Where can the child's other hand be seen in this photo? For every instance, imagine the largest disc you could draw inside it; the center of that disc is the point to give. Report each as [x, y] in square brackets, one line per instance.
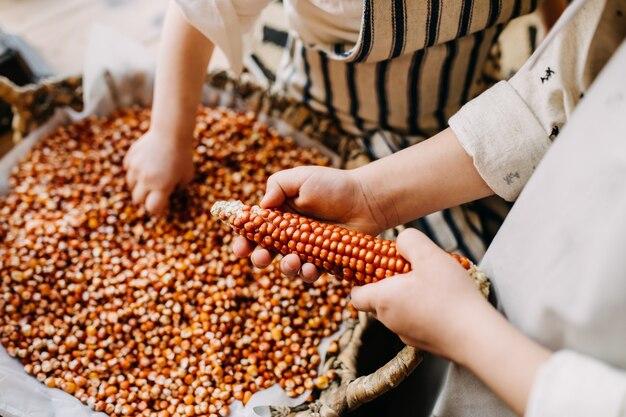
[328, 194]
[155, 167]
[432, 307]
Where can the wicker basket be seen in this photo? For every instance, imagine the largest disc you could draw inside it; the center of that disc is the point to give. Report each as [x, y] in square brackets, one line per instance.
[32, 105]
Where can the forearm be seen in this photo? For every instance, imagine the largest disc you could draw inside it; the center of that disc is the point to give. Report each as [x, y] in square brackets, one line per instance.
[501, 356]
[427, 177]
[181, 68]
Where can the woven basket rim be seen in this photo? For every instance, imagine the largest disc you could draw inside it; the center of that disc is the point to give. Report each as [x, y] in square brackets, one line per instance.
[33, 105]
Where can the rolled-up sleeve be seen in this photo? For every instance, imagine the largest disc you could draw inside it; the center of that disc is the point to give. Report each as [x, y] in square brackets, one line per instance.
[225, 22]
[505, 149]
[508, 129]
[573, 385]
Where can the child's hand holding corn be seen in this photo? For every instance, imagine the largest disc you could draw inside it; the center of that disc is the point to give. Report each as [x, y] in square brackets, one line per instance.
[328, 194]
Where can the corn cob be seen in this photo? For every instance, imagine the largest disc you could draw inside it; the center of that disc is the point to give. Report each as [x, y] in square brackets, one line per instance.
[347, 254]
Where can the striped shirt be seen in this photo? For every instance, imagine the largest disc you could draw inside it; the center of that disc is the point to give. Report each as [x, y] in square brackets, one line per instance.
[402, 66]
[390, 72]
[413, 65]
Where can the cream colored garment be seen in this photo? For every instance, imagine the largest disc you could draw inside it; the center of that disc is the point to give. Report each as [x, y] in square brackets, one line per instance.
[508, 128]
[557, 266]
[403, 66]
[229, 23]
[225, 23]
[325, 22]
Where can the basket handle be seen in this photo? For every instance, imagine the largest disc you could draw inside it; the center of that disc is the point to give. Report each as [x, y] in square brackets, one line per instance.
[348, 391]
[365, 388]
[368, 387]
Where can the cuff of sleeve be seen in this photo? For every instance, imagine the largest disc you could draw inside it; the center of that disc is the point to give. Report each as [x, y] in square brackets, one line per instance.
[218, 22]
[501, 134]
[573, 385]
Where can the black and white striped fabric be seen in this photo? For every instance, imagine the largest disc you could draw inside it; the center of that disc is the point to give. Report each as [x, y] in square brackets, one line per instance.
[414, 65]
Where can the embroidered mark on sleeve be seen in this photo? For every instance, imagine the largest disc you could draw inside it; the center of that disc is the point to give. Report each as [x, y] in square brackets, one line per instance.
[549, 73]
[555, 132]
[510, 177]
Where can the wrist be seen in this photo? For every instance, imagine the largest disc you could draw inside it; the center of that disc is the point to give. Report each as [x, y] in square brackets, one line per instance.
[502, 357]
[170, 133]
[372, 200]
[472, 335]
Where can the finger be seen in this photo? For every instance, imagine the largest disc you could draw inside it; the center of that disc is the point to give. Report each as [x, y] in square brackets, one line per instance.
[283, 185]
[408, 341]
[139, 193]
[414, 246]
[128, 158]
[131, 179]
[364, 298]
[371, 296]
[309, 272]
[157, 202]
[261, 258]
[290, 265]
[242, 247]
[126, 161]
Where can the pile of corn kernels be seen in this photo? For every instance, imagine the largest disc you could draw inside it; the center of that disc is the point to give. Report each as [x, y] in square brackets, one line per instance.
[136, 315]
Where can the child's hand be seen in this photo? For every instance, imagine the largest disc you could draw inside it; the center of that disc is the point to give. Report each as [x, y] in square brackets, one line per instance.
[433, 306]
[155, 167]
[327, 194]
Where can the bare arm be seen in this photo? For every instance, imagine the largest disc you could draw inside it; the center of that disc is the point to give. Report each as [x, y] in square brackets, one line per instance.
[419, 180]
[183, 61]
[493, 340]
[161, 160]
[427, 177]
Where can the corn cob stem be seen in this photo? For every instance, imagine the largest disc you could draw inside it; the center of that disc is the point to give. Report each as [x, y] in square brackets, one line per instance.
[347, 254]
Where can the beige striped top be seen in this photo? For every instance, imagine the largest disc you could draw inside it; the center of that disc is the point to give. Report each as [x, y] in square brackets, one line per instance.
[400, 66]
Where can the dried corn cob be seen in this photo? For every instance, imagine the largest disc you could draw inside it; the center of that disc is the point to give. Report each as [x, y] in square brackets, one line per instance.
[345, 253]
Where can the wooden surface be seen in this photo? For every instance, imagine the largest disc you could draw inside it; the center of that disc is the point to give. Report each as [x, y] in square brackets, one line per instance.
[59, 29]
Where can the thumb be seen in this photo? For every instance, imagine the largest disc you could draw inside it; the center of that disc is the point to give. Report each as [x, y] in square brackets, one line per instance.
[372, 297]
[157, 202]
[283, 185]
[415, 246]
[364, 297]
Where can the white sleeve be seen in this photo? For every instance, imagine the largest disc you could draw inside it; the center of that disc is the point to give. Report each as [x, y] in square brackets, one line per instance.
[573, 385]
[225, 23]
[503, 137]
[507, 129]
